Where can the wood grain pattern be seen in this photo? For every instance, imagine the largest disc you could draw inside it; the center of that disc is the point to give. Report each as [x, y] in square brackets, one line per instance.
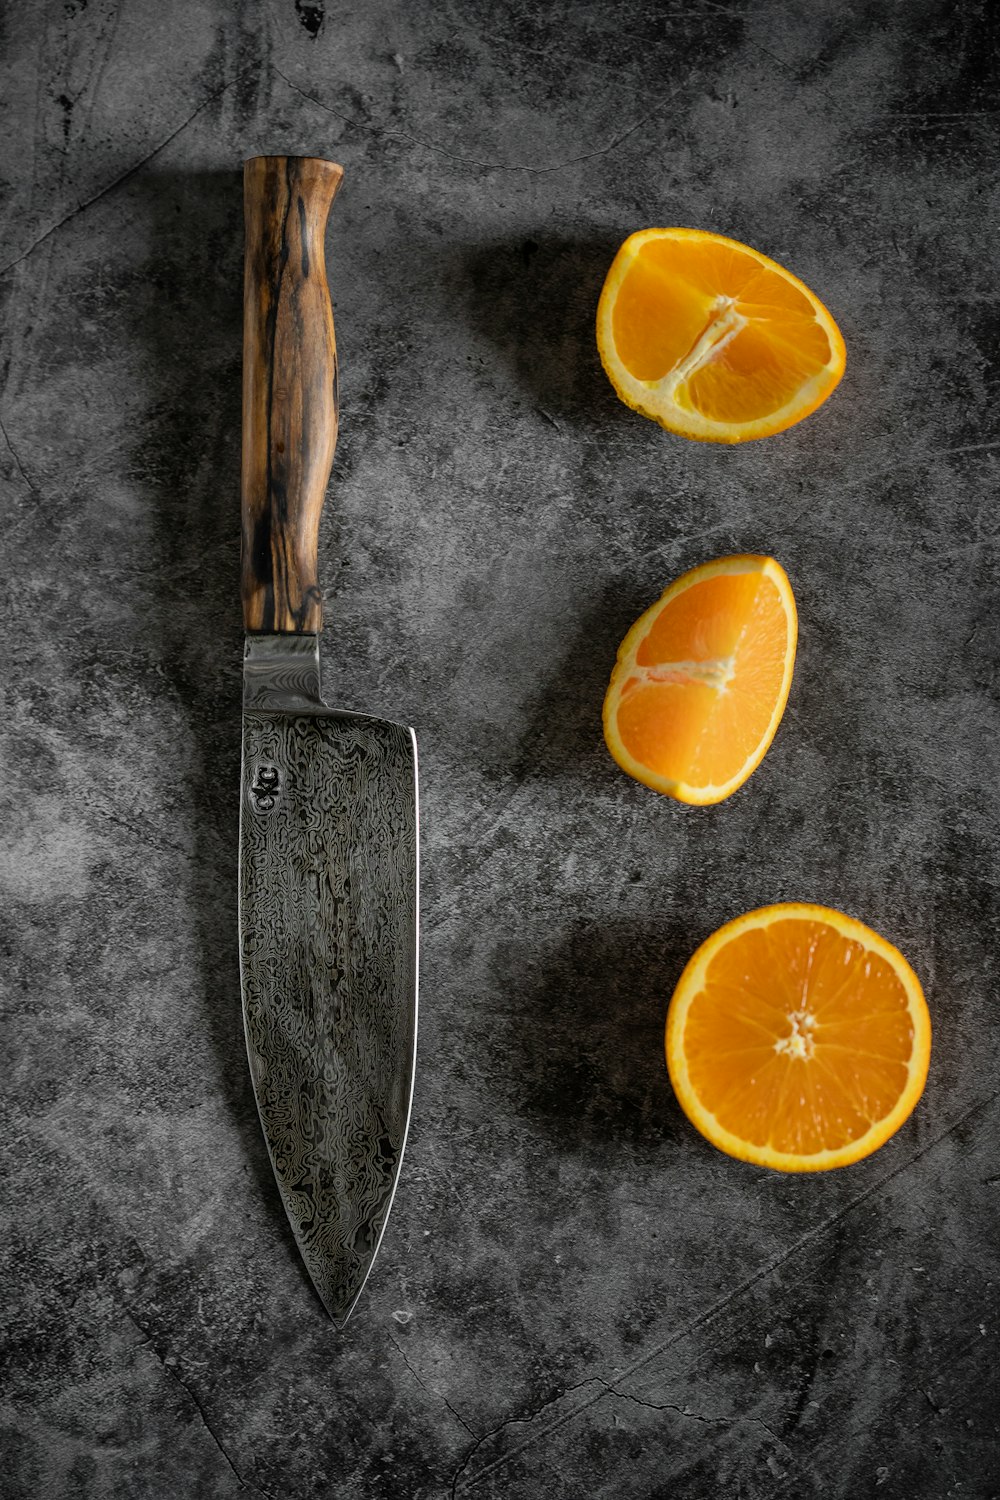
[289, 388]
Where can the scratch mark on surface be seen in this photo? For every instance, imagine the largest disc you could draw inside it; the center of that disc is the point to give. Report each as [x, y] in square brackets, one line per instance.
[591, 65]
[926, 114]
[32, 488]
[384, 132]
[973, 448]
[851, 1435]
[97, 80]
[730, 1299]
[917, 461]
[145, 836]
[124, 176]
[607, 1389]
[793, 73]
[446, 1175]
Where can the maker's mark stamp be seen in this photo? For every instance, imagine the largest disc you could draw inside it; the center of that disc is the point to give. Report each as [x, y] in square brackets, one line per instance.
[264, 790]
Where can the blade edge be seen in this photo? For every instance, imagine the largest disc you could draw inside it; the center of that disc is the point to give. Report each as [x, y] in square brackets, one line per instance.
[343, 1320]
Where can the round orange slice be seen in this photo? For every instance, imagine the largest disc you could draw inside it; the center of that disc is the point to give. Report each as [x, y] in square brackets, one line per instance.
[798, 1039]
[712, 339]
[702, 679]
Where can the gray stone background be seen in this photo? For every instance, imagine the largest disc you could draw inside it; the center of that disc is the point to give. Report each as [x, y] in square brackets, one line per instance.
[576, 1296]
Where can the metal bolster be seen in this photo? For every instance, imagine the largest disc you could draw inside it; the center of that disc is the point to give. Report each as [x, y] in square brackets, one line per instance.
[281, 673]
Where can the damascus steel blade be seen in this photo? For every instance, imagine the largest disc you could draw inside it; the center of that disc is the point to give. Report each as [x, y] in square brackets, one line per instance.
[328, 957]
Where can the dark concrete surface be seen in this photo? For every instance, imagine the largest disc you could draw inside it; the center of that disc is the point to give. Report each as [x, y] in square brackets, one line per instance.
[576, 1296]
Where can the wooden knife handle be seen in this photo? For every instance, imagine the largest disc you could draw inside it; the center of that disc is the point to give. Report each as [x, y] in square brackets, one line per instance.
[289, 388]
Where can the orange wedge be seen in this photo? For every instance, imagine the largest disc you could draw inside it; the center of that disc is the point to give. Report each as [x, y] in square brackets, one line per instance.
[702, 679]
[712, 339]
[798, 1039]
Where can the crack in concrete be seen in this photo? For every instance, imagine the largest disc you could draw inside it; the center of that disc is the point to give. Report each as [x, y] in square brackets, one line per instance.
[694, 1416]
[520, 1420]
[606, 1389]
[147, 1342]
[682, 1411]
[438, 1395]
[206, 1423]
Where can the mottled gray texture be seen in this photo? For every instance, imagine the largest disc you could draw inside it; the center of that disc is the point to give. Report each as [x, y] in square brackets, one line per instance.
[576, 1297]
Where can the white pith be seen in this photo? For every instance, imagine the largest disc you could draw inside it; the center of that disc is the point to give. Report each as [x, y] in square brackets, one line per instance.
[716, 672]
[723, 326]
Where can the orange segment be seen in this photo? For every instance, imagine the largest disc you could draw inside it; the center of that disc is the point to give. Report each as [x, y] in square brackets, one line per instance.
[702, 679]
[797, 1038]
[712, 339]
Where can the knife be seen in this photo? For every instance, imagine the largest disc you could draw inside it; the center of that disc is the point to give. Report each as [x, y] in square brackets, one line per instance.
[328, 806]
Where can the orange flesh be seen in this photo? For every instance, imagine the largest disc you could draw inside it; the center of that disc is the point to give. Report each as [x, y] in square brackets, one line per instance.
[748, 337]
[800, 1039]
[712, 669]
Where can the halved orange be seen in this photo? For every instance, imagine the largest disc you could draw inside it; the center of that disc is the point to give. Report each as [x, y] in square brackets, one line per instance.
[712, 339]
[797, 1038]
[702, 679]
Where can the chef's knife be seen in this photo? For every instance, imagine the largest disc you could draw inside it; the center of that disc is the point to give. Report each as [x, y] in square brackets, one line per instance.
[328, 808]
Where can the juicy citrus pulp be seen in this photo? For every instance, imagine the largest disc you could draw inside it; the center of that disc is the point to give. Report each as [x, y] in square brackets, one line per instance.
[712, 339]
[797, 1038]
[702, 679]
